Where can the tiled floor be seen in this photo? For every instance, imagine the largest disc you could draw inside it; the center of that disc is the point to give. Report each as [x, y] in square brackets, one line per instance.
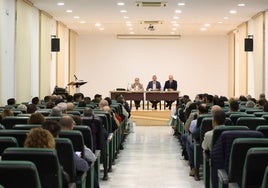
[151, 159]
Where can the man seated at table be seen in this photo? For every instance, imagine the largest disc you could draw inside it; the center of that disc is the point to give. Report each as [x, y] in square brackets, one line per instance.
[137, 86]
[170, 85]
[154, 85]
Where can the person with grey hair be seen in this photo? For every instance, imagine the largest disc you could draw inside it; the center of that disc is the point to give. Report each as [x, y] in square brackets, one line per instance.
[56, 111]
[22, 107]
[63, 107]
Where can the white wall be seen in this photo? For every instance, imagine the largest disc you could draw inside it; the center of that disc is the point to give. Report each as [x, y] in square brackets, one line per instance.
[198, 63]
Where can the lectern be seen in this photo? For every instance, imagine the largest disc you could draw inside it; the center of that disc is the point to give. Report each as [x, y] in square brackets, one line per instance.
[77, 84]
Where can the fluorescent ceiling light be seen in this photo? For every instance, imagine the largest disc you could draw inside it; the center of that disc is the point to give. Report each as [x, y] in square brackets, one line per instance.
[178, 11]
[123, 11]
[60, 3]
[76, 17]
[241, 4]
[69, 11]
[132, 36]
[181, 4]
[120, 3]
[232, 11]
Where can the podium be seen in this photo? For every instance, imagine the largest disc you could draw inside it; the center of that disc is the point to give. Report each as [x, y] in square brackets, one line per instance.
[77, 84]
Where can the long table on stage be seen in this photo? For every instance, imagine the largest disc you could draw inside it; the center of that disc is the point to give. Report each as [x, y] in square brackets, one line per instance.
[161, 96]
[130, 95]
[148, 96]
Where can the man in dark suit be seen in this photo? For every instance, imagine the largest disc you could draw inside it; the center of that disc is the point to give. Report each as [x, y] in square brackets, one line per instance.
[170, 85]
[154, 85]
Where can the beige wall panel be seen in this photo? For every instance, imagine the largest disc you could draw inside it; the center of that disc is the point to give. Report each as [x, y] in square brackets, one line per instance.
[1, 7]
[231, 64]
[23, 51]
[258, 54]
[242, 64]
[61, 56]
[72, 59]
[45, 54]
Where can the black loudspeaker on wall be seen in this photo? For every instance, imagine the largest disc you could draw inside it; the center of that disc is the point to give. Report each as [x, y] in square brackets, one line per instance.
[248, 44]
[55, 45]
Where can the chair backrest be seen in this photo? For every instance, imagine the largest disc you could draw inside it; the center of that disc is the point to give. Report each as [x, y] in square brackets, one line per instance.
[260, 114]
[97, 132]
[105, 118]
[74, 112]
[221, 150]
[10, 121]
[44, 112]
[263, 129]
[55, 118]
[45, 160]
[228, 114]
[6, 142]
[265, 179]
[254, 168]
[206, 125]
[265, 116]
[15, 174]
[234, 117]
[77, 140]
[239, 150]
[26, 126]
[251, 122]
[87, 135]
[253, 110]
[65, 151]
[218, 130]
[20, 135]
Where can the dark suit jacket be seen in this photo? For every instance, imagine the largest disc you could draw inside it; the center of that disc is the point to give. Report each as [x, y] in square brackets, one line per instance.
[150, 85]
[172, 85]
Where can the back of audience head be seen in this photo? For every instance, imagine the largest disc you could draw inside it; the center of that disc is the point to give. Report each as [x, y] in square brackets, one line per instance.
[265, 107]
[109, 100]
[82, 104]
[70, 106]
[36, 118]
[57, 101]
[97, 98]
[250, 104]
[209, 99]
[53, 127]
[103, 103]
[7, 112]
[88, 112]
[262, 96]
[87, 100]
[234, 105]
[50, 105]
[262, 101]
[63, 107]
[66, 122]
[56, 111]
[39, 138]
[22, 107]
[77, 97]
[218, 118]
[242, 98]
[11, 101]
[31, 108]
[202, 108]
[70, 98]
[47, 99]
[35, 100]
[77, 119]
[215, 108]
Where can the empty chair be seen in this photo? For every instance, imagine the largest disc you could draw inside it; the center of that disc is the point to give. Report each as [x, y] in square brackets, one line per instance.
[234, 117]
[14, 174]
[20, 135]
[10, 121]
[265, 179]
[46, 161]
[221, 150]
[25, 126]
[6, 142]
[239, 150]
[64, 148]
[251, 122]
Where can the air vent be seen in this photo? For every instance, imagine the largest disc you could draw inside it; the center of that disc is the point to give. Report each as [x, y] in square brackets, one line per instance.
[151, 4]
[151, 22]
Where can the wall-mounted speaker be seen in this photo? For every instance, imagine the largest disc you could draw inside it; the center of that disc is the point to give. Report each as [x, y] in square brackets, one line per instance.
[55, 45]
[248, 44]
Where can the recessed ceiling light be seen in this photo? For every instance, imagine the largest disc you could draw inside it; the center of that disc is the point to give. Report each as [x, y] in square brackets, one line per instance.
[226, 18]
[97, 24]
[130, 28]
[123, 11]
[131, 32]
[241, 4]
[82, 22]
[175, 25]
[60, 3]
[120, 3]
[175, 17]
[219, 22]
[129, 24]
[101, 29]
[181, 4]
[203, 29]
[69, 11]
[76, 17]
[207, 24]
[232, 11]
[126, 17]
[178, 11]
